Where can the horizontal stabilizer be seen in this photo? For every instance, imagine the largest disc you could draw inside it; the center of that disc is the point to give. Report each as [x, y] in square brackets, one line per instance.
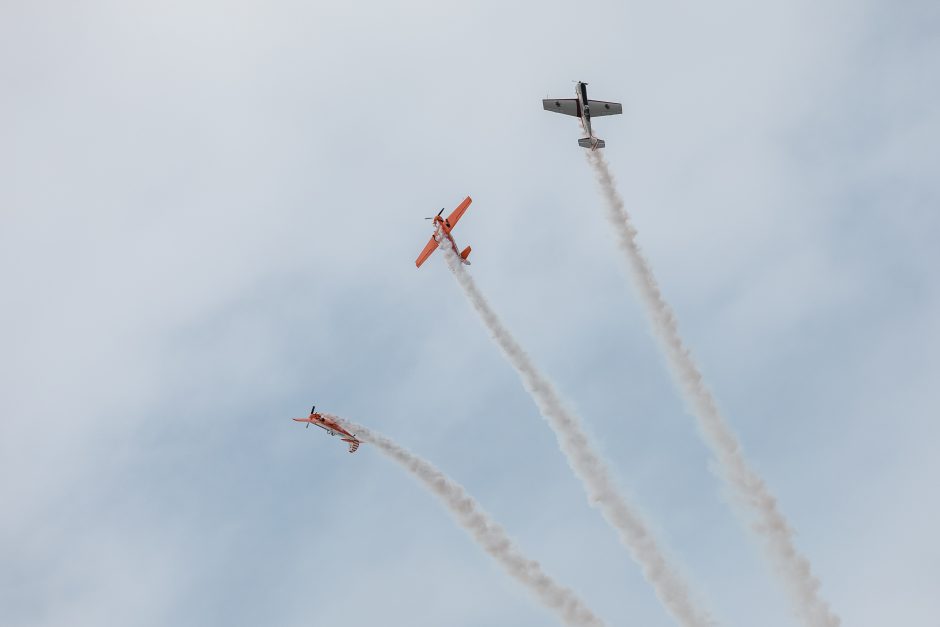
[465, 253]
[591, 142]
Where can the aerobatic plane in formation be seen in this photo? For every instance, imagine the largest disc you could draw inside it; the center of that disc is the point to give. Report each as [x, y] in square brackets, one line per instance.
[442, 228]
[585, 109]
[331, 427]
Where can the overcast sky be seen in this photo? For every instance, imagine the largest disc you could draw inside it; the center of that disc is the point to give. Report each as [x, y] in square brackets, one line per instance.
[209, 213]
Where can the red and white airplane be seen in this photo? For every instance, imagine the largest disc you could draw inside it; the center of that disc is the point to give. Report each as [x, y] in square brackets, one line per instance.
[331, 427]
[444, 226]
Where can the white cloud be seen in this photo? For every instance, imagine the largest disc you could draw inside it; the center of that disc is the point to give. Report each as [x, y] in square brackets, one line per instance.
[208, 220]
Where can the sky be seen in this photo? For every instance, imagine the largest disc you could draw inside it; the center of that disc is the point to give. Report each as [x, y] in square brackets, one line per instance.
[208, 220]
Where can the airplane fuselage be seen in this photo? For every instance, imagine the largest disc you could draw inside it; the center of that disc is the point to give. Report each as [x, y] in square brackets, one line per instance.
[331, 427]
[327, 425]
[324, 427]
[584, 109]
[445, 227]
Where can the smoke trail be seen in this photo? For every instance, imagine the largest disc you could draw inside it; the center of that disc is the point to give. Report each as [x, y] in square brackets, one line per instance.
[794, 569]
[586, 463]
[488, 534]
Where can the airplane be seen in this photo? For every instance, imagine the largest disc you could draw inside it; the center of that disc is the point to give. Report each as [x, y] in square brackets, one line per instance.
[331, 427]
[445, 226]
[583, 108]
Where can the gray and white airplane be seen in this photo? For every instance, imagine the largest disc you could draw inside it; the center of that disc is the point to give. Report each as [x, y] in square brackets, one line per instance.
[583, 108]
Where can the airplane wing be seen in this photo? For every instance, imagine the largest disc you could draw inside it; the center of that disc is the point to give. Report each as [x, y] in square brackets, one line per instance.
[459, 211]
[568, 106]
[599, 107]
[432, 244]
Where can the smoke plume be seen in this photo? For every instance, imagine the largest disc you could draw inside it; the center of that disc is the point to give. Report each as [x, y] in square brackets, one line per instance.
[771, 525]
[491, 537]
[586, 462]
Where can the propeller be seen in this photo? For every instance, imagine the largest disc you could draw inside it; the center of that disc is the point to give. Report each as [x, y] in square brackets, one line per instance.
[312, 411]
[438, 214]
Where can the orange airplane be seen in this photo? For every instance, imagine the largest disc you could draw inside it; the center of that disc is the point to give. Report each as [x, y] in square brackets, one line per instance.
[445, 226]
[331, 427]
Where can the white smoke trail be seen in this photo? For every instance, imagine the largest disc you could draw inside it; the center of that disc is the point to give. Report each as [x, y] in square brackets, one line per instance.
[586, 463]
[771, 525]
[488, 534]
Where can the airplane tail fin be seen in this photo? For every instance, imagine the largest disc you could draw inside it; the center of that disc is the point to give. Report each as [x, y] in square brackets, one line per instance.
[465, 254]
[591, 142]
[353, 444]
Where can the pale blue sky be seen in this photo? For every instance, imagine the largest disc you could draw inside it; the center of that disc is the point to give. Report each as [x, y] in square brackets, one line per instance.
[210, 213]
